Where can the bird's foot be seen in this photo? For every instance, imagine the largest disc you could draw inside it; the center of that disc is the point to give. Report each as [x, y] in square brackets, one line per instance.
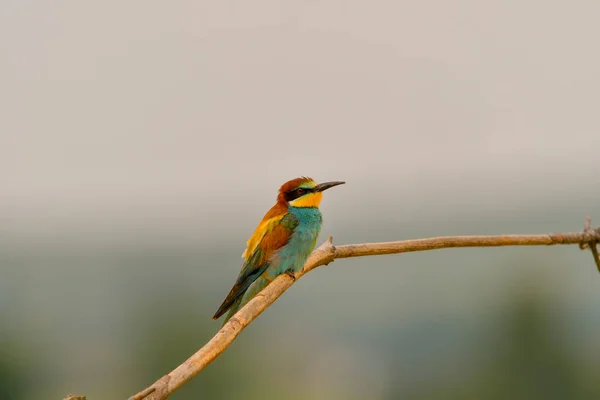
[291, 274]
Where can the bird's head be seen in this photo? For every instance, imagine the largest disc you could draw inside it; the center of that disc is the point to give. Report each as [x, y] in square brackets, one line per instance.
[304, 192]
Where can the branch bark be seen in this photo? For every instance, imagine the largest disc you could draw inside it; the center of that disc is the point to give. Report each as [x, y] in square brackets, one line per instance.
[325, 254]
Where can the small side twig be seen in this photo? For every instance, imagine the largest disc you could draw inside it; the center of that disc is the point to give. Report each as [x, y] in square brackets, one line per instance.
[592, 238]
[325, 254]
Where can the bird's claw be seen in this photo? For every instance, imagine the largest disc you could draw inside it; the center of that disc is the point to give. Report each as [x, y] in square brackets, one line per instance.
[291, 274]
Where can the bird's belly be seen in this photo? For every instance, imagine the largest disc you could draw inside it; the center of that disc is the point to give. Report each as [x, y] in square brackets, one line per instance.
[293, 255]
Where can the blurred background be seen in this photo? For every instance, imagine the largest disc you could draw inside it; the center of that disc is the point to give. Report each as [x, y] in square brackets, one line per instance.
[141, 142]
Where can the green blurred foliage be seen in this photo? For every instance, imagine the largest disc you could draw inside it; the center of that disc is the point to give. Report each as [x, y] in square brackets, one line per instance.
[12, 378]
[137, 320]
[524, 356]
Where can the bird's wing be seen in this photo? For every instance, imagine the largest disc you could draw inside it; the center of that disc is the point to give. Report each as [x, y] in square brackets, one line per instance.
[270, 236]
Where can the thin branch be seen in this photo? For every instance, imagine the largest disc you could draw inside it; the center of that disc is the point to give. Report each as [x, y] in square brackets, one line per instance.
[325, 254]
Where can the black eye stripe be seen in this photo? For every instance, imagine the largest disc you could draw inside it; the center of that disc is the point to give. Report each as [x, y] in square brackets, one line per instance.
[298, 192]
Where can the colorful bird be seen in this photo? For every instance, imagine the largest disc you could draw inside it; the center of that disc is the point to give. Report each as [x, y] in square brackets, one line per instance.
[281, 243]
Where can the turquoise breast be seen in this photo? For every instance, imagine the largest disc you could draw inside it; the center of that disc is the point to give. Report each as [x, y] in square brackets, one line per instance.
[293, 255]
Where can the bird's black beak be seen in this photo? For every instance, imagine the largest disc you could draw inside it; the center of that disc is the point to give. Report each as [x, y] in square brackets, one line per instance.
[326, 185]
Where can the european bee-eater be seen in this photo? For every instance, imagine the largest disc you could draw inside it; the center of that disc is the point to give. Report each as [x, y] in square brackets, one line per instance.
[281, 242]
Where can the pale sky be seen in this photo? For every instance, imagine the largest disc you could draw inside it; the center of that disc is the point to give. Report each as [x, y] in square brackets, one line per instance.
[168, 109]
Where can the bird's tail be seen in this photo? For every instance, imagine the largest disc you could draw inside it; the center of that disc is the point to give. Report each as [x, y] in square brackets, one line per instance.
[234, 308]
[250, 293]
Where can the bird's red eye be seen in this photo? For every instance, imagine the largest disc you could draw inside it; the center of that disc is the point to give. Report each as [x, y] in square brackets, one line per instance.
[300, 191]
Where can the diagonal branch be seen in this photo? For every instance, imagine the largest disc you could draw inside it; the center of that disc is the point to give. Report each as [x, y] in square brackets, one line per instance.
[325, 254]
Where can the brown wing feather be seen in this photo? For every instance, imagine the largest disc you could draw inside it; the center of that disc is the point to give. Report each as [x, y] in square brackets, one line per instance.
[276, 235]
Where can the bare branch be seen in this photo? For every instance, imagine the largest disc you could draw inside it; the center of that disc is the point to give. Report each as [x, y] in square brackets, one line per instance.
[325, 254]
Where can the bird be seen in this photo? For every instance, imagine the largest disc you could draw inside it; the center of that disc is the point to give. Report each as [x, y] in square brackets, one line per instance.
[281, 242]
